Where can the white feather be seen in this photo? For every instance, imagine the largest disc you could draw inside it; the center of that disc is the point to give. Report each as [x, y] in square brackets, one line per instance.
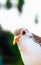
[30, 51]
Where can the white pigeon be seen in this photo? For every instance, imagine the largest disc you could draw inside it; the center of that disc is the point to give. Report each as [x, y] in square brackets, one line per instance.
[29, 45]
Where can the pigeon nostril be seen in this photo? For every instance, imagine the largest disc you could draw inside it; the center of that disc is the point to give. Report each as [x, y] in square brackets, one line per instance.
[16, 33]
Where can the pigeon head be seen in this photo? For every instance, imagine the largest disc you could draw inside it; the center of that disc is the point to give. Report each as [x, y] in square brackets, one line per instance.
[21, 34]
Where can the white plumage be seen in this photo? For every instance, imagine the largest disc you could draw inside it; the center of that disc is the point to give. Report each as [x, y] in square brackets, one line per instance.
[29, 47]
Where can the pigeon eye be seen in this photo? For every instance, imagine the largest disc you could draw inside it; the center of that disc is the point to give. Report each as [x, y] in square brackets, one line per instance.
[23, 32]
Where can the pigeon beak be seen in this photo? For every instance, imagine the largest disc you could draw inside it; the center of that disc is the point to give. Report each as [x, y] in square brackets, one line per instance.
[16, 40]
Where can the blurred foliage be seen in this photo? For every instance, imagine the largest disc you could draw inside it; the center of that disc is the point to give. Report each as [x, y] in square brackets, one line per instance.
[36, 19]
[8, 4]
[1, 60]
[20, 5]
[11, 52]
